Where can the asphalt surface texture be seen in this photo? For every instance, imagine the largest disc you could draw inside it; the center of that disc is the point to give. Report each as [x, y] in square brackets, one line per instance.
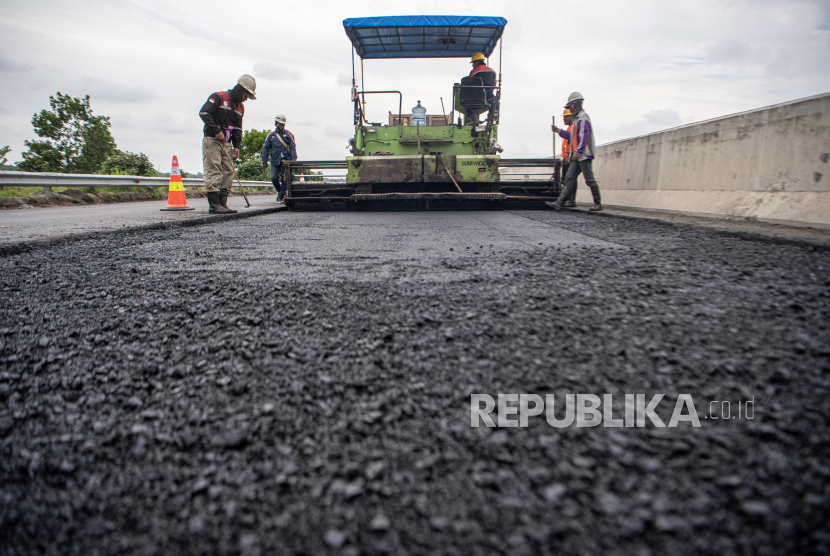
[50, 223]
[300, 383]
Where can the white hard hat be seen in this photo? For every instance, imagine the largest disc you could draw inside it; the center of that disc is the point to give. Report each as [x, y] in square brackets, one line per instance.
[249, 84]
[280, 119]
[575, 97]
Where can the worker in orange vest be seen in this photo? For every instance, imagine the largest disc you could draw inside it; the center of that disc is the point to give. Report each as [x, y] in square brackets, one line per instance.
[565, 134]
[583, 152]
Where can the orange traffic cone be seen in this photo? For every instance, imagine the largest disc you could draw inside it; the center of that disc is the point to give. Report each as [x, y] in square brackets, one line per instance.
[175, 194]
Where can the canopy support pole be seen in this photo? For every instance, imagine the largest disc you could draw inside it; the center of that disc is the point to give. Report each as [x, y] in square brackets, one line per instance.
[355, 98]
[498, 106]
[362, 86]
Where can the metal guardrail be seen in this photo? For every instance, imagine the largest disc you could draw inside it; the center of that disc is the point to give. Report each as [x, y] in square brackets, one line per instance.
[48, 180]
[503, 163]
[320, 164]
[528, 162]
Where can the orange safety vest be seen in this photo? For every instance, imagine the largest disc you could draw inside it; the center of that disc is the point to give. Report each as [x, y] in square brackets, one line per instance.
[566, 144]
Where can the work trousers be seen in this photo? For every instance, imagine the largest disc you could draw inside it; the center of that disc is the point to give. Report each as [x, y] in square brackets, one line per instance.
[278, 179]
[472, 116]
[218, 169]
[572, 198]
[584, 167]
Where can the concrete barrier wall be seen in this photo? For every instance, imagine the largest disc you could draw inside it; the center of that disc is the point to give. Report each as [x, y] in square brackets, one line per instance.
[770, 164]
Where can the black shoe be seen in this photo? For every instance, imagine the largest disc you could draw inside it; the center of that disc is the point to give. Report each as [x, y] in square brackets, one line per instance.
[223, 201]
[569, 205]
[595, 208]
[555, 206]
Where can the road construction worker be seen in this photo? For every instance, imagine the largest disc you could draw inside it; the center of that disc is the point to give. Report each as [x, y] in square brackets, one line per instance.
[222, 114]
[582, 152]
[565, 134]
[488, 79]
[279, 145]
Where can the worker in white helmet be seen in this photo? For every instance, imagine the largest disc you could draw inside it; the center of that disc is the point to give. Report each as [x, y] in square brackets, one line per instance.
[583, 150]
[222, 114]
[279, 145]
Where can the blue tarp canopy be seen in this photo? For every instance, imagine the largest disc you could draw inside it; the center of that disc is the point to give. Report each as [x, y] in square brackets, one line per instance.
[424, 36]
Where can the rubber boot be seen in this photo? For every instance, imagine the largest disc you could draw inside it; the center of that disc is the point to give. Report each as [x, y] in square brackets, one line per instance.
[571, 201]
[557, 205]
[223, 200]
[597, 201]
[216, 204]
[213, 202]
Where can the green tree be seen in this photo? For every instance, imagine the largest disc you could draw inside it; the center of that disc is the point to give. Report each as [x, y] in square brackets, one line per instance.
[3, 152]
[76, 141]
[128, 164]
[249, 163]
[251, 146]
[252, 171]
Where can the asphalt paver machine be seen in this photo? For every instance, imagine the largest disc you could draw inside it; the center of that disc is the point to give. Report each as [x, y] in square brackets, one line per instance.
[449, 162]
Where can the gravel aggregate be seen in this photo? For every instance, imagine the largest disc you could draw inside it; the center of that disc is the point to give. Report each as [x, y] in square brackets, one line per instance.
[299, 383]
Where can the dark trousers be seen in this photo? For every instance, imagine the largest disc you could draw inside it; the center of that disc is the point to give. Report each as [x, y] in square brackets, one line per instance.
[572, 198]
[472, 118]
[278, 179]
[584, 167]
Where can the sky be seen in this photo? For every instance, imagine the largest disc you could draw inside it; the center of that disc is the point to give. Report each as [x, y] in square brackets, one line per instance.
[643, 66]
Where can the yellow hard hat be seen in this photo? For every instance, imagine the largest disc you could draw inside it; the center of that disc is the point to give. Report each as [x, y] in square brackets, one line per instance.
[477, 56]
[567, 112]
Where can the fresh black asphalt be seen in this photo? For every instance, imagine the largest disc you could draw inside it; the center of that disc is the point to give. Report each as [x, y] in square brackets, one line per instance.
[299, 383]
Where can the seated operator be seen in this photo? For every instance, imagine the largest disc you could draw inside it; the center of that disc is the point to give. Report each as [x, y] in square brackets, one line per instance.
[488, 79]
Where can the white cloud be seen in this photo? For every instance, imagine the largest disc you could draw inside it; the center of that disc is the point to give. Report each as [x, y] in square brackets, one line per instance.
[150, 64]
[9, 65]
[732, 51]
[110, 91]
[665, 117]
[276, 72]
[339, 131]
[650, 122]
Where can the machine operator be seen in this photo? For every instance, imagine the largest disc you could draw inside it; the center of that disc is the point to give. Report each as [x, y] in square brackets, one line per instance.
[488, 79]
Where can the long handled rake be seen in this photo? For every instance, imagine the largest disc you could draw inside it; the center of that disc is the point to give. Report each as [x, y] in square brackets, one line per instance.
[242, 189]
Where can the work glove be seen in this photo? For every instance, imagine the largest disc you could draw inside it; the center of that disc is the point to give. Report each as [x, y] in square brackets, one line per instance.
[555, 129]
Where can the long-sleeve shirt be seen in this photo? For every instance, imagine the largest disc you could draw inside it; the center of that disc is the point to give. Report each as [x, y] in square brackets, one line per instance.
[219, 115]
[487, 76]
[585, 144]
[565, 134]
[277, 150]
